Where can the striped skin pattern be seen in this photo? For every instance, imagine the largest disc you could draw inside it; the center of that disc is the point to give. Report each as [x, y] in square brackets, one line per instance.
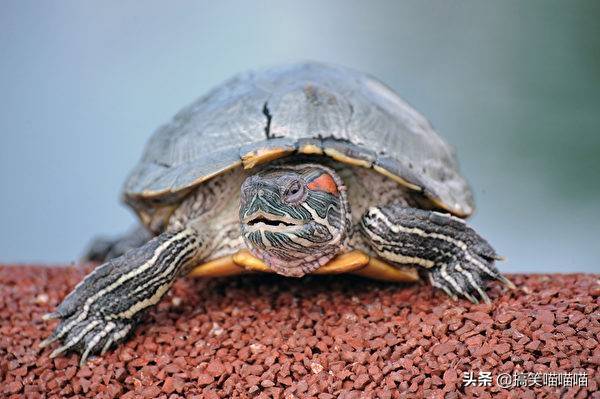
[456, 258]
[295, 218]
[103, 308]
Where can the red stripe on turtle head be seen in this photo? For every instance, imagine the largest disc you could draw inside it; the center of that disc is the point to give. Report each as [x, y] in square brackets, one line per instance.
[324, 183]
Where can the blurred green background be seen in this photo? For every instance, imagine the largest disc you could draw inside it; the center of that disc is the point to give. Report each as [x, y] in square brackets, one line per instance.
[514, 85]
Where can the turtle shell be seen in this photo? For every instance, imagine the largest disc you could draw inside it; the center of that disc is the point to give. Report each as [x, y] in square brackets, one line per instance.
[307, 108]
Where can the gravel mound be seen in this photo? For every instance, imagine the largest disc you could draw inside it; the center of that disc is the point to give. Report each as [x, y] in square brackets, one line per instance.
[324, 337]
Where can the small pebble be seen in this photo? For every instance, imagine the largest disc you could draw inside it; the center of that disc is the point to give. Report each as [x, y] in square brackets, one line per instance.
[41, 299]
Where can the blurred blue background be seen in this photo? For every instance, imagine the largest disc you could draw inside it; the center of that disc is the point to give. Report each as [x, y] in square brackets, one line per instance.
[514, 85]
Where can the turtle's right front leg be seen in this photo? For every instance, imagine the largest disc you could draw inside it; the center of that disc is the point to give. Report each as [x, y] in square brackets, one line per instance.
[104, 308]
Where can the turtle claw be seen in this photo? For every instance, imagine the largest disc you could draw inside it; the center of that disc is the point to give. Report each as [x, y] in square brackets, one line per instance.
[471, 298]
[86, 327]
[442, 287]
[58, 351]
[88, 336]
[46, 342]
[466, 280]
[507, 282]
[51, 316]
[486, 299]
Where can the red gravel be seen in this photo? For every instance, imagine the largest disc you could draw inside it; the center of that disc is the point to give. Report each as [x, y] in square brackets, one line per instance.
[325, 337]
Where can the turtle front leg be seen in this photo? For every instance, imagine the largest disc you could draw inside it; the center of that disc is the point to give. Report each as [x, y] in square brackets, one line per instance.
[456, 258]
[105, 307]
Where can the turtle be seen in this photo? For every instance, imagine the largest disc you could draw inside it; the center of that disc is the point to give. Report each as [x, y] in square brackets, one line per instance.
[301, 169]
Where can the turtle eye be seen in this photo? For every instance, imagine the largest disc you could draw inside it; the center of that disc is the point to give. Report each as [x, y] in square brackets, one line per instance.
[294, 192]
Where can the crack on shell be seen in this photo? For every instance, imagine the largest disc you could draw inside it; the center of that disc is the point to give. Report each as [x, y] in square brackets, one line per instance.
[268, 115]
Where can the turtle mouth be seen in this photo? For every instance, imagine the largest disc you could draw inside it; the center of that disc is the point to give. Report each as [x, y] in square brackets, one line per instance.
[264, 221]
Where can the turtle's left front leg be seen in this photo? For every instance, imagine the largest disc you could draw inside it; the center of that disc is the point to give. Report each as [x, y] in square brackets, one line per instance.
[455, 257]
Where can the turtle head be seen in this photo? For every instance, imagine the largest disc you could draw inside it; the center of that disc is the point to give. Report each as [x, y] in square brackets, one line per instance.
[295, 218]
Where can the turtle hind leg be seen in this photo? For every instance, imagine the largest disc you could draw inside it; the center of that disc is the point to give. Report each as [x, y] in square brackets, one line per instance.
[102, 249]
[105, 307]
[456, 258]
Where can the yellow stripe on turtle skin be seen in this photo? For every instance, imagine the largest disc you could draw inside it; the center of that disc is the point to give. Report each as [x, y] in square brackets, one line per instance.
[253, 158]
[379, 270]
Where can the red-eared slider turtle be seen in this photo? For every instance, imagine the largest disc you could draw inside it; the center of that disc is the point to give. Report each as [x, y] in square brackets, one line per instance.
[306, 168]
